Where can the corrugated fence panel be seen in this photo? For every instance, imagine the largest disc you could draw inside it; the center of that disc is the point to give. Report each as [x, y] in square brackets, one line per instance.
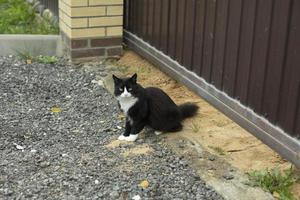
[144, 17]
[220, 43]
[180, 30]
[164, 25]
[260, 54]
[290, 92]
[189, 34]
[275, 62]
[199, 35]
[150, 31]
[157, 23]
[172, 29]
[245, 50]
[208, 42]
[232, 46]
[139, 20]
[250, 49]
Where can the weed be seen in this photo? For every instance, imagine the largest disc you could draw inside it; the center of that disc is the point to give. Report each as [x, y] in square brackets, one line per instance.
[46, 59]
[195, 127]
[218, 150]
[18, 17]
[41, 59]
[275, 181]
[25, 55]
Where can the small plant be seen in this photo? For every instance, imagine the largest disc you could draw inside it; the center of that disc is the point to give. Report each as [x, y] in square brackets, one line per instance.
[25, 55]
[195, 127]
[218, 150]
[41, 58]
[46, 59]
[275, 181]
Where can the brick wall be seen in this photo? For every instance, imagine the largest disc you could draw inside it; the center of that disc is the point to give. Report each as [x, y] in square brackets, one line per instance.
[92, 27]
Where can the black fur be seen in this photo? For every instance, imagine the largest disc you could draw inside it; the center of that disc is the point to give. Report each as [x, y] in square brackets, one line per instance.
[188, 110]
[154, 108]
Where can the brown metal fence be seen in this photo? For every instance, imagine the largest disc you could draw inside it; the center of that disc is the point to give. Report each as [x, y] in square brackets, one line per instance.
[249, 49]
[52, 5]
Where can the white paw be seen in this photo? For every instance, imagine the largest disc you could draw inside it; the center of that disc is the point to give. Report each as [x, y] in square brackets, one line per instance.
[131, 138]
[122, 137]
[157, 132]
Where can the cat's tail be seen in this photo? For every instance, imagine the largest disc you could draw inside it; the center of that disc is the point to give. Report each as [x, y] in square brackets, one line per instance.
[188, 110]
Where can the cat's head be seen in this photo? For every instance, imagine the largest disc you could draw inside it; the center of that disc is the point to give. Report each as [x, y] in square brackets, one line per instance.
[125, 87]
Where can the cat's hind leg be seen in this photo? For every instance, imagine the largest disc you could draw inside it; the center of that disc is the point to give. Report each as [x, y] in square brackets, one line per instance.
[173, 127]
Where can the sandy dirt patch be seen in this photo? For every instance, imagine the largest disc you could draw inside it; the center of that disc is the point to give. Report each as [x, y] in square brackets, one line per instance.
[115, 143]
[138, 150]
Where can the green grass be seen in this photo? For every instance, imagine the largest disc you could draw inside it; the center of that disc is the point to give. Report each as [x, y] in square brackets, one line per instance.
[18, 17]
[275, 181]
[40, 59]
[46, 59]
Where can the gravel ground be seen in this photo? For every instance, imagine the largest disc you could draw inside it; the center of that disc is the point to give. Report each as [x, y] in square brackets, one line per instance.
[64, 155]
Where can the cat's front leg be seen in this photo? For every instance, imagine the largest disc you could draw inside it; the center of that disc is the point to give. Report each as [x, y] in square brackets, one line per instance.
[127, 130]
[136, 128]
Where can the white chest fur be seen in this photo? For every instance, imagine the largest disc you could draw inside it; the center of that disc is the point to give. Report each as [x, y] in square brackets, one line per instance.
[126, 103]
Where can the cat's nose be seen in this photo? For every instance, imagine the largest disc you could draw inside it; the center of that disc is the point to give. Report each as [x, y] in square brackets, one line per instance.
[125, 95]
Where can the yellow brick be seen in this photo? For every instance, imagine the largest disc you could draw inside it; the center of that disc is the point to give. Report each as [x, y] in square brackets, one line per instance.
[59, 4]
[114, 31]
[73, 3]
[79, 22]
[61, 15]
[88, 32]
[62, 6]
[106, 21]
[73, 22]
[105, 2]
[63, 27]
[114, 10]
[65, 8]
[88, 11]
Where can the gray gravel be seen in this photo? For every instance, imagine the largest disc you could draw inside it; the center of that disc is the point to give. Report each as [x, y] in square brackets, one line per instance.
[45, 155]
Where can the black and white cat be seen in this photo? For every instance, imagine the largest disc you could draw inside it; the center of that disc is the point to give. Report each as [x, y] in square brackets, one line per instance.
[150, 107]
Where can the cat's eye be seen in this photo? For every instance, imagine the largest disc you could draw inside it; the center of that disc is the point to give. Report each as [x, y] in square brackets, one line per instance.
[129, 89]
[121, 89]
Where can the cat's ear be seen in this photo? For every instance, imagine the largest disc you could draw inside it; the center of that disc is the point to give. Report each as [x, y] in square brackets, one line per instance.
[116, 79]
[134, 77]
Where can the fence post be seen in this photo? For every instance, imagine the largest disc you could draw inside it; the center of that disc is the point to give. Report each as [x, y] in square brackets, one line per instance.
[92, 28]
